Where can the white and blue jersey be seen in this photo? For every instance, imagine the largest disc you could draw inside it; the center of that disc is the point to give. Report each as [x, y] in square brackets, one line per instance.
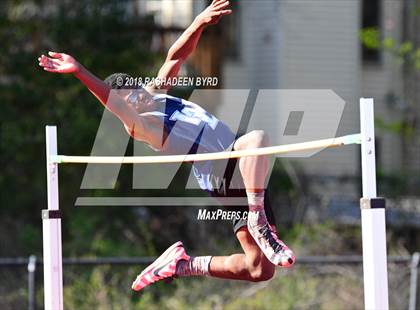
[189, 129]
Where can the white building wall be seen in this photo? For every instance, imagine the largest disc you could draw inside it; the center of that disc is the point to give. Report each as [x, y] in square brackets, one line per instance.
[321, 51]
[259, 50]
[298, 44]
[258, 61]
[169, 12]
[304, 45]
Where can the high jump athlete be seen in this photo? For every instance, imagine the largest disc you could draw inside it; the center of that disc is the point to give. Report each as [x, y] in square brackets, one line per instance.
[172, 125]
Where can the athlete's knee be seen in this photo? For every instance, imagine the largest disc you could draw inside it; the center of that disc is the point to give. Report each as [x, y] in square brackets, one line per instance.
[253, 139]
[262, 272]
[258, 138]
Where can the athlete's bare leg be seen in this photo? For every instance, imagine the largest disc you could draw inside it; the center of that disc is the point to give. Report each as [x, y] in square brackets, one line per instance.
[254, 170]
[262, 248]
[252, 265]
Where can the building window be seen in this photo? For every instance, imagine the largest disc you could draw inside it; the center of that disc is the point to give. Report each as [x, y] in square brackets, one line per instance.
[371, 18]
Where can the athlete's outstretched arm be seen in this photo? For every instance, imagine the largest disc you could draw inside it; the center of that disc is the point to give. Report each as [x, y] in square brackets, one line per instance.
[187, 42]
[63, 63]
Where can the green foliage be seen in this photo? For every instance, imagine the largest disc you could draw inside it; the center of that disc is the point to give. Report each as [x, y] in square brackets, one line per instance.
[389, 43]
[97, 290]
[105, 39]
[301, 287]
[370, 38]
[395, 127]
[404, 52]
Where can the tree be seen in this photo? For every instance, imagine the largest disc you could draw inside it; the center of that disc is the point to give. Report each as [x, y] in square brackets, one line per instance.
[106, 38]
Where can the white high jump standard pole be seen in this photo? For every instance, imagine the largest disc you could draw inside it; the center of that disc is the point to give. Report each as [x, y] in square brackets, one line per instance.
[51, 226]
[373, 217]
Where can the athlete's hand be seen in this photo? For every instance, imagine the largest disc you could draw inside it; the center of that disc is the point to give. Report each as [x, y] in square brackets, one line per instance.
[214, 12]
[59, 63]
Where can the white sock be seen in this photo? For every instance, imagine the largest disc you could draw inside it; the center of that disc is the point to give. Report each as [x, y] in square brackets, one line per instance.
[255, 200]
[195, 266]
[256, 213]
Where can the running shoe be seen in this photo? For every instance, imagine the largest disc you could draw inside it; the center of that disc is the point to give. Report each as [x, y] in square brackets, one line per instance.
[266, 238]
[163, 268]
